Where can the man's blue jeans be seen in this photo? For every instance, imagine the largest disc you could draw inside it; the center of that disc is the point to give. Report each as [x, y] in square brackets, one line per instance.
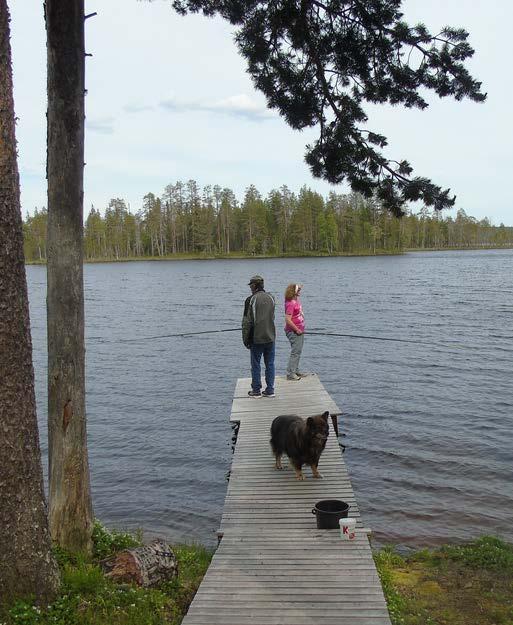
[267, 351]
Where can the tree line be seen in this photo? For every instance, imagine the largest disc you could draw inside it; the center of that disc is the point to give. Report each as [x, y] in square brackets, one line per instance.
[185, 219]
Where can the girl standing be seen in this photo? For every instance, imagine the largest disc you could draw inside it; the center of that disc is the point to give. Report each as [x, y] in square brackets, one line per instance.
[294, 329]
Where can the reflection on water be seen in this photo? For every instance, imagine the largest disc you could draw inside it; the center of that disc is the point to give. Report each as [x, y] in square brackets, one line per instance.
[430, 427]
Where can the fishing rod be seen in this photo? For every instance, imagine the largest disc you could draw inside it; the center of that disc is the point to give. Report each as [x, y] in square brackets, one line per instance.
[164, 336]
[309, 332]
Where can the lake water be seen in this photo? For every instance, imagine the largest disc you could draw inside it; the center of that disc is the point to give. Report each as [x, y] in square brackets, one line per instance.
[429, 427]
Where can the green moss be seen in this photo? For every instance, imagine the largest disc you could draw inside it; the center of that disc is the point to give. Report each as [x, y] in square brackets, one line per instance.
[404, 577]
[469, 584]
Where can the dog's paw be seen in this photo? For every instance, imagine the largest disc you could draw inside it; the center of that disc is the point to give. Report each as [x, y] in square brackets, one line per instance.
[318, 476]
[300, 476]
[279, 467]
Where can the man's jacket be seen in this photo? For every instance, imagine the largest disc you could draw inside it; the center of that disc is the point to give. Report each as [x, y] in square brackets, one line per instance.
[258, 320]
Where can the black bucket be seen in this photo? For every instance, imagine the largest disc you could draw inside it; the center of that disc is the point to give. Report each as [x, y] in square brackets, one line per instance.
[328, 513]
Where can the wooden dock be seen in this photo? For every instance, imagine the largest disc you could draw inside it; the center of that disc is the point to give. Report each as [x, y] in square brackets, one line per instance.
[273, 566]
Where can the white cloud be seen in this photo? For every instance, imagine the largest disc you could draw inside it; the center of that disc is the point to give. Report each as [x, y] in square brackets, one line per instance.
[244, 106]
[240, 105]
[104, 126]
[137, 108]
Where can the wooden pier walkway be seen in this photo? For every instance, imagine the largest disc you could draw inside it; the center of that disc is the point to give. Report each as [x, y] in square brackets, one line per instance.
[273, 566]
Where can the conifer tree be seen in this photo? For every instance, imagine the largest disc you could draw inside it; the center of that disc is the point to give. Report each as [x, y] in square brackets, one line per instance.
[26, 563]
[319, 61]
[70, 504]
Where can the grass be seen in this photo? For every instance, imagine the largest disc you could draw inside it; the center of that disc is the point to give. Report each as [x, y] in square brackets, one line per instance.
[469, 584]
[87, 597]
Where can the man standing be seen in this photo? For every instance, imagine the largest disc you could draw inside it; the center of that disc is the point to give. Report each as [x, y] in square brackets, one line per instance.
[259, 336]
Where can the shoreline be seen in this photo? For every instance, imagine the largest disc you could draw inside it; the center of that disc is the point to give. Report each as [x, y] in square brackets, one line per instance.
[460, 584]
[238, 256]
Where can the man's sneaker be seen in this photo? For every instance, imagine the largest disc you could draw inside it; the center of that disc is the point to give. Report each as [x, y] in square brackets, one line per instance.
[254, 394]
[267, 393]
[293, 377]
[301, 375]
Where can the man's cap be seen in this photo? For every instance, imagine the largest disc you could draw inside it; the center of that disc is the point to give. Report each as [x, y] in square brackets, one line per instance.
[256, 280]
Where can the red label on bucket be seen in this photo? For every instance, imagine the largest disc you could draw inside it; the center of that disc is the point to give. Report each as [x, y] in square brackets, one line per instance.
[347, 529]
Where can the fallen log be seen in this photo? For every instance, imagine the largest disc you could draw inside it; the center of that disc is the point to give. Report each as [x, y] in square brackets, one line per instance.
[145, 566]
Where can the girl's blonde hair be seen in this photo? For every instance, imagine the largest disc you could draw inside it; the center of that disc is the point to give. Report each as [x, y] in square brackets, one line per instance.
[291, 291]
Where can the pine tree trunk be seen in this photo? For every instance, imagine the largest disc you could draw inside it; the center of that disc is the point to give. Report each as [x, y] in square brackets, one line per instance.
[26, 564]
[71, 515]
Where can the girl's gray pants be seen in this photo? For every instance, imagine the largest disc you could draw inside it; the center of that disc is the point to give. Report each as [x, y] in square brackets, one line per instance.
[296, 344]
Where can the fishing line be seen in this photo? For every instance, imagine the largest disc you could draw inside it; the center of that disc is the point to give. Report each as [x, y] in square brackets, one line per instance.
[309, 332]
[387, 338]
[375, 338]
[164, 336]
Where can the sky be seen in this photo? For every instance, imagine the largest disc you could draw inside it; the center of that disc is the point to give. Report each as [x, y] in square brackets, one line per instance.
[168, 99]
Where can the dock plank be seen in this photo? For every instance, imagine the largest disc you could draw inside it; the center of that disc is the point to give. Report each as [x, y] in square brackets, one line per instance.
[273, 566]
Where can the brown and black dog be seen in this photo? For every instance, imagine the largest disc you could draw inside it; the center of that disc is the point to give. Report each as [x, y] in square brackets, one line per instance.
[303, 440]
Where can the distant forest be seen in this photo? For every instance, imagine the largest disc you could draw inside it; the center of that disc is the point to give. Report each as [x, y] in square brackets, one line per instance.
[186, 220]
